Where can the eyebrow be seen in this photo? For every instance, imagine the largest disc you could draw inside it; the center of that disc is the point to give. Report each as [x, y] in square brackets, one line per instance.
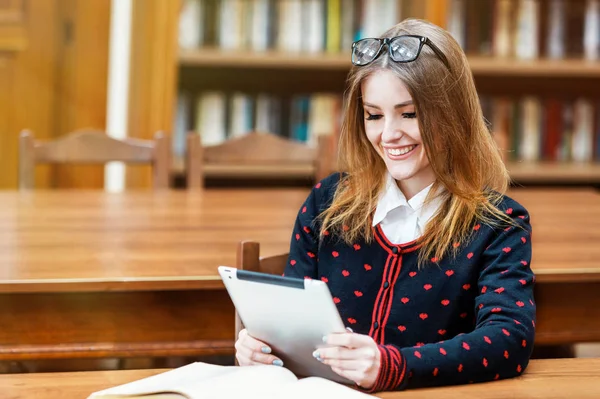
[404, 104]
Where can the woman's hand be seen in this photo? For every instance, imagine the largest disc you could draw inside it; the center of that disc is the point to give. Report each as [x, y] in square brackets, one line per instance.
[252, 352]
[353, 356]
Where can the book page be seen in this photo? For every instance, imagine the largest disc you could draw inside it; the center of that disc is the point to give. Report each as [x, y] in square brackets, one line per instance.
[205, 381]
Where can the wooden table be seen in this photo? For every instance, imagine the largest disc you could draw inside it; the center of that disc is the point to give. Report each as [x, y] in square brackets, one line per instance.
[547, 379]
[93, 274]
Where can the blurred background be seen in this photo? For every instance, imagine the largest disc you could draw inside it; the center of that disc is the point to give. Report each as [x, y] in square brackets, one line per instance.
[220, 69]
[223, 68]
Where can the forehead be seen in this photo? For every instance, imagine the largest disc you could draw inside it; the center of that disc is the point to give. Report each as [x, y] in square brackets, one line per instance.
[383, 87]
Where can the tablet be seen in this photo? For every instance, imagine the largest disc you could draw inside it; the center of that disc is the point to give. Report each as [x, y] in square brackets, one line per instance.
[291, 315]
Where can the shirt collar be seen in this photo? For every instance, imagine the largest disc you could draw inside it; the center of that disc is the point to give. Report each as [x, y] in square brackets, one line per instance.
[392, 198]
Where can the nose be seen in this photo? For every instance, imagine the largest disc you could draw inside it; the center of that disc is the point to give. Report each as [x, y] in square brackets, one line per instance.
[393, 129]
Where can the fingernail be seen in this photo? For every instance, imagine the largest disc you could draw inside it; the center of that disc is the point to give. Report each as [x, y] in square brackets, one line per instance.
[349, 329]
[265, 349]
[325, 339]
[317, 356]
[277, 362]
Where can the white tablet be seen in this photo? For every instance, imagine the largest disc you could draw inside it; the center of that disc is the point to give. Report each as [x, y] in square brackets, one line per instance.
[291, 315]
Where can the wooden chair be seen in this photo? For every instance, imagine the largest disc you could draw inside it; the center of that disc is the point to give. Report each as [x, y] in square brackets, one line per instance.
[93, 146]
[248, 258]
[257, 155]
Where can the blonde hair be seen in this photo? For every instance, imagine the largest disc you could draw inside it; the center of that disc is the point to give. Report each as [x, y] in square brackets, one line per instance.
[461, 151]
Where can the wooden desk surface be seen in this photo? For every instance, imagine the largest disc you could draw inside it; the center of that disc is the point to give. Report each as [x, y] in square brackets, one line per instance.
[548, 379]
[92, 240]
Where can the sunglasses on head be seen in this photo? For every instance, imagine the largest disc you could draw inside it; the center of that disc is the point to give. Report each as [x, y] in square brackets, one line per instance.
[404, 48]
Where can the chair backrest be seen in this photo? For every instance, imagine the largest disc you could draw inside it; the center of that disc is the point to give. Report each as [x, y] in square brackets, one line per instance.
[248, 258]
[257, 154]
[93, 146]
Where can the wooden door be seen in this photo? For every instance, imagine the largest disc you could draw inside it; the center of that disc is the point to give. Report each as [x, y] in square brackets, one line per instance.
[53, 79]
[28, 40]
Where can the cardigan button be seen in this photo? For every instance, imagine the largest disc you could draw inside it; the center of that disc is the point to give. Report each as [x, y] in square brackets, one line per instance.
[386, 284]
[395, 250]
[376, 325]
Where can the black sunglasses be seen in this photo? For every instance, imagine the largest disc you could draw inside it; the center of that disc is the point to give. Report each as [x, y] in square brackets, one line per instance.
[405, 48]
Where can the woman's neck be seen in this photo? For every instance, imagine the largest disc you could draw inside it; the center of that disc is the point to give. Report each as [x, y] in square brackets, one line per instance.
[415, 184]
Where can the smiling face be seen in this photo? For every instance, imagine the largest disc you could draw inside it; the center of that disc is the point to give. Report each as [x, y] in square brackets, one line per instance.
[391, 126]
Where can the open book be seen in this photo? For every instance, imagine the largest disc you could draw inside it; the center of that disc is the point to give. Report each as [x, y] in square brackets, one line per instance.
[207, 381]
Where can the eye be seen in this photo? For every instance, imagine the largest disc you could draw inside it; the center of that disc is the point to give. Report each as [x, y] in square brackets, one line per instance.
[409, 115]
[373, 117]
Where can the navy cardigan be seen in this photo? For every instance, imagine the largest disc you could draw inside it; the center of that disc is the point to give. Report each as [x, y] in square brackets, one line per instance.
[465, 319]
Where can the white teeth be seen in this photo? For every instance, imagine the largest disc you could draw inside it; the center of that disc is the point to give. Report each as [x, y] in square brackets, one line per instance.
[400, 151]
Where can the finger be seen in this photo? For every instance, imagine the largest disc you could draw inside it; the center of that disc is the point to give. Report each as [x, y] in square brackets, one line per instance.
[250, 357]
[347, 339]
[248, 344]
[347, 365]
[254, 344]
[336, 352]
[340, 353]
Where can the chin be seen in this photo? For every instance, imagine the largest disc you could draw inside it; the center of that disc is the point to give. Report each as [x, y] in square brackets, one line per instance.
[402, 172]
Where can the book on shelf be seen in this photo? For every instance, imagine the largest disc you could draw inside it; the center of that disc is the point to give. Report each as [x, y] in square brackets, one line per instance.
[290, 25]
[211, 117]
[527, 29]
[182, 114]
[523, 29]
[218, 116]
[536, 129]
[190, 31]
[207, 381]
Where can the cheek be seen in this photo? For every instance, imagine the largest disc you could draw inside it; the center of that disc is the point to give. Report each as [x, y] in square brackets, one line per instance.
[412, 129]
[373, 133]
[423, 160]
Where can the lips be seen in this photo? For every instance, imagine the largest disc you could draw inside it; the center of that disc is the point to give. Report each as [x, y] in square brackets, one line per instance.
[399, 152]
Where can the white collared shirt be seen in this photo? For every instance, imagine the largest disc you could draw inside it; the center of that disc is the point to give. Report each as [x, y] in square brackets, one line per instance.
[402, 220]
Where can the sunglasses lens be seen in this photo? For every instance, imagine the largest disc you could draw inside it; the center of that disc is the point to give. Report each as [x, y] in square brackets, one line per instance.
[364, 51]
[405, 48]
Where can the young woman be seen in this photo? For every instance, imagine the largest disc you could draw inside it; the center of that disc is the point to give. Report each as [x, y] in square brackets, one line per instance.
[426, 258]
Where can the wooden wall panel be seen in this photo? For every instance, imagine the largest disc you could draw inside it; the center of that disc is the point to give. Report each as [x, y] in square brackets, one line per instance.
[82, 81]
[5, 94]
[12, 11]
[153, 75]
[28, 37]
[13, 32]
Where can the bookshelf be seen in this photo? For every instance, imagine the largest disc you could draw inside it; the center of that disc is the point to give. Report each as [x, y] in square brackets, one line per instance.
[501, 67]
[554, 173]
[488, 66]
[521, 172]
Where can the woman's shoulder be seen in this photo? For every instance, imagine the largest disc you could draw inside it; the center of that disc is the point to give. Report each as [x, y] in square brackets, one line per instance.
[512, 208]
[324, 190]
